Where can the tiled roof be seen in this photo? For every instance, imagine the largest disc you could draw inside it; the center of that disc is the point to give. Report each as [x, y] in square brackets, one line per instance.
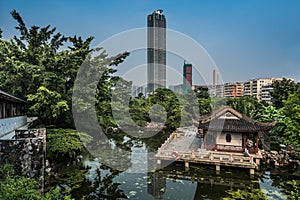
[9, 97]
[239, 123]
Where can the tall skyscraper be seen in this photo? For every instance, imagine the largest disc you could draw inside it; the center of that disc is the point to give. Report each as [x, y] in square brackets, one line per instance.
[215, 77]
[187, 77]
[156, 51]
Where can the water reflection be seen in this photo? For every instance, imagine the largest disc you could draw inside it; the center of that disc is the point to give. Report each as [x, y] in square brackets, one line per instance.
[173, 182]
[270, 190]
[200, 182]
[94, 180]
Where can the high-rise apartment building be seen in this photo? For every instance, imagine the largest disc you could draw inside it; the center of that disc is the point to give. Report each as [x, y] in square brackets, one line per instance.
[187, 77]
[260, 88]
[156, 51]
[136, 90]
[233, 90]
[215, 77]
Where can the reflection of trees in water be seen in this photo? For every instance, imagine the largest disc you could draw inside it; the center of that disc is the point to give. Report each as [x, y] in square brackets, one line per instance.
[209, 185]
[281, 178]
[156, 185]
[75, 180]
[103, 185]
[154, 142]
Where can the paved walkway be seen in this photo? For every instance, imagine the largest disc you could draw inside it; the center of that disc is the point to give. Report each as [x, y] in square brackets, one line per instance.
[185, 140]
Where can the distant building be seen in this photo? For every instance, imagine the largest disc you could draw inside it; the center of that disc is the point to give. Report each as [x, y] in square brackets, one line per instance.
[266, 93]
[176, 88]
[195, 87]
[216, 90]
[219, 90]
[215, 77]
[187, 77]
[233, 90]
[260, 88]
[136, 90]
[156, 52]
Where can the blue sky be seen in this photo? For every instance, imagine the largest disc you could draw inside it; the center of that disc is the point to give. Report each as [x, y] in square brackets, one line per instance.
[246, 38]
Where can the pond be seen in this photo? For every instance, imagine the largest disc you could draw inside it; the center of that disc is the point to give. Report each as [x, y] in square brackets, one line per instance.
[92, 179]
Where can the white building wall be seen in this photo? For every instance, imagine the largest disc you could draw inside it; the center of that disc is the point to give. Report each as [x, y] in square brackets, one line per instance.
[236, 139]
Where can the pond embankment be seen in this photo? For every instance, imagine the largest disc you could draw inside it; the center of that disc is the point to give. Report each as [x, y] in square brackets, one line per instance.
[281, 158]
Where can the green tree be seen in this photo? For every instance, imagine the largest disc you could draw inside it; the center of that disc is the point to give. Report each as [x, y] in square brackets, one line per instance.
[291, 110]
[246, 105]
[35, 60]
[204, 100]
[270, 114]
[14, 187]
[275, 136]
[139, 110]
[63, 144]
[167, 99]
[247, 194]
[281, 91]
[293, 190]
[97, 84]
[45, 103]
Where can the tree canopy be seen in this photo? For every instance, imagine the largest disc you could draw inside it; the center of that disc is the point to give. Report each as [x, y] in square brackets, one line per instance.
[281, 91]
[38, 66]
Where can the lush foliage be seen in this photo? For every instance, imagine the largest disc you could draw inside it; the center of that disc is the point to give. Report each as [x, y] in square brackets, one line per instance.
[286, 100]
[204, 100]
[291, 110]
[175, 109]
[281, 91]
[17, 187]
[246, 105]
[34, 66]
[247, 194]
[293, 190]
[14, 187]
[65, 143]
[46, 102]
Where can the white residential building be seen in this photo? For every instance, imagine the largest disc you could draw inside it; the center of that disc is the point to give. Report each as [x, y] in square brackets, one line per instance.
[260, 88]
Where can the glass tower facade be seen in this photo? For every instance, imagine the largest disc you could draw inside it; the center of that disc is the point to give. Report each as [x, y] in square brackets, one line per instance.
[187, 77]
[156, 51]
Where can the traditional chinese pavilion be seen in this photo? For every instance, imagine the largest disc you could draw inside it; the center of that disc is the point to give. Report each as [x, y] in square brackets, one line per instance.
[228, 130]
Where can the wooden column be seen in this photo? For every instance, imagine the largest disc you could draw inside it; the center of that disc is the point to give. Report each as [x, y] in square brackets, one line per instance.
[4, 110]
[215, 141]
[159, 162]
[187, 165]
[11, 109]
[257, 161]
[244, 141]
[204, 138]
[256, 142]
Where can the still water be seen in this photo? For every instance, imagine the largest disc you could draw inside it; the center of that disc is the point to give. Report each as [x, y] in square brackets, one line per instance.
[174, 182]
[93, 180]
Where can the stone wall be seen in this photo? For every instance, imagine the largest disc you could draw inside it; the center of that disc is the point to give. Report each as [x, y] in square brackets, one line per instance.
[281, 158]
[26, 153]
